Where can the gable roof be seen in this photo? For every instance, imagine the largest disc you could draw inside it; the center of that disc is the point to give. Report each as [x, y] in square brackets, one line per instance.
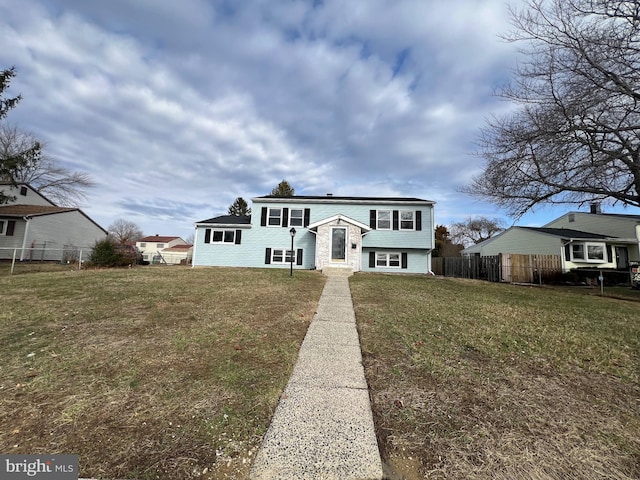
[14, 210]
[343, 218]
[567, 233]
[228, 220]
[157, 239]
[178, 248]
[29, 211]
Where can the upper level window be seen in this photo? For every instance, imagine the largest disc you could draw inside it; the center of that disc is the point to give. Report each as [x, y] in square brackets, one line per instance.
[407, 220]
[160, 245]
[384, 219]
[296, 217]
[143, 244]
[1, 227]
[275, 216]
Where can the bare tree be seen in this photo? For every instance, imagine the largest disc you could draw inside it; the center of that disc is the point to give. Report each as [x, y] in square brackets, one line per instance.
[124, 231]
[475, 230]
[59, 184]
[284, 189]
[239, 207]
[11, 162]
[575, 135]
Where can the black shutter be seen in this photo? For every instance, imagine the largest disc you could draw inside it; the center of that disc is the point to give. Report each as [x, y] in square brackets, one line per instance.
[418, 220]
[609, 254]
[307, 216]
[396, 222]
[404, 259]
[263, 217]
[285, 217]
[567, 252]
[372, 219]
[267, 256]
[299, 257]
[372, 259]
[207, 235]
[238, 237]
[11, 225]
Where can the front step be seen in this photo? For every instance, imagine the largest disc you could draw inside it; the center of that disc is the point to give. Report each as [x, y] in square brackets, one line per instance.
[337, 271]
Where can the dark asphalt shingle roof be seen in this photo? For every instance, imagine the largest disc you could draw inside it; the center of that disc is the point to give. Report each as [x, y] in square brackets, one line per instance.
[567, 233]
[229, 220]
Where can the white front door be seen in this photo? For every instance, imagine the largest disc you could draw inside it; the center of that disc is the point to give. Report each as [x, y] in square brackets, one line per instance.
[338, 244]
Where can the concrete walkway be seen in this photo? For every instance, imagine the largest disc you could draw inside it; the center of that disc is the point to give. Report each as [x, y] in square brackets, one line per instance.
[323, 426]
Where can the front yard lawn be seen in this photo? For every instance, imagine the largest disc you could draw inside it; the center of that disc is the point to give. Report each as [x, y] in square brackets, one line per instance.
[472, 379]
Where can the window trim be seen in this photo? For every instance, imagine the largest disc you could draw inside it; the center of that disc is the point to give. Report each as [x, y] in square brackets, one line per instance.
[586, 258]
[223, 234]
[387, 260]
[390, 220]
[270, 216]
[298, 219]
[413, 220]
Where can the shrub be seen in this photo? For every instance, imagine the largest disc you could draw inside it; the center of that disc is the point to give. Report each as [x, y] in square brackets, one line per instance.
[105, 254]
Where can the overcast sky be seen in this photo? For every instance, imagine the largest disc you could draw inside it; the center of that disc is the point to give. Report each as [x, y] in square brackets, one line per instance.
[175, 108]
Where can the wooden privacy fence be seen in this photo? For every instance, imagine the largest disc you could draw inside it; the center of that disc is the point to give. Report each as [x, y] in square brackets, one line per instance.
[505, 267]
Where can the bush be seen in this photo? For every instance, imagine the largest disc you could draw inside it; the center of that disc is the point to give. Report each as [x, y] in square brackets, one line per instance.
[105, 254]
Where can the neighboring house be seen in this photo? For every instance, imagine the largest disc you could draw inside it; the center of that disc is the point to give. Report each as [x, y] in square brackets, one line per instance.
[35, 228]
[152, 247]
[353, 233]
[581, 239]
[178, 254]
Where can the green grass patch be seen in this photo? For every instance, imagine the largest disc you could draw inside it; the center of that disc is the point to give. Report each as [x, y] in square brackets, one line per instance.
[149, 372]
[479, 380]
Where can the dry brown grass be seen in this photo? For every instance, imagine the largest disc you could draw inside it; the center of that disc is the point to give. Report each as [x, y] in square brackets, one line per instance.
[165, 372]
[477, 380]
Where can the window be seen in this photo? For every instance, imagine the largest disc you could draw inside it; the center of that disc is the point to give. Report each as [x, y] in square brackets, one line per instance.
[160, 245]
[384, 220]
[7, 227]
[588, 252]
[222, 236]
[406, 220]
[143, 244]
[280, 255]
[275, 216]
[388, 260]
[1, 227]
[296, 217]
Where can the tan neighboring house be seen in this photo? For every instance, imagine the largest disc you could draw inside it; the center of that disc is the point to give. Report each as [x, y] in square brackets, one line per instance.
[178, 254]
[153, 249]
[34, 228]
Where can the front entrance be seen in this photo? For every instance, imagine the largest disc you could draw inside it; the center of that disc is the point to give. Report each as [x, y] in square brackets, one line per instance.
[338, 244]
[622, 258]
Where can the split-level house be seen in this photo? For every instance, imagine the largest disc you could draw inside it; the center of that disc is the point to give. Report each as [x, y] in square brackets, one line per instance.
[581, 239]
[34, 228]
[322, 232]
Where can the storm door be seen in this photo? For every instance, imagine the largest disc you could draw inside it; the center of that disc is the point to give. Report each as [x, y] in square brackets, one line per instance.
[338, 244]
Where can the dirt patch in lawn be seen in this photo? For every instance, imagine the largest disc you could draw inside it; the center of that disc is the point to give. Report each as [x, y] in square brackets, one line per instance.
[476, 380]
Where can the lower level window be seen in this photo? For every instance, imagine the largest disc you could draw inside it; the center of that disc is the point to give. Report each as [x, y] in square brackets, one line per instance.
[282, 256]
[388, 259]
[588, 252]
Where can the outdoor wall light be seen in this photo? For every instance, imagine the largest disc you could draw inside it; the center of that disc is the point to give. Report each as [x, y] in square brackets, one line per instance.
[292, 232]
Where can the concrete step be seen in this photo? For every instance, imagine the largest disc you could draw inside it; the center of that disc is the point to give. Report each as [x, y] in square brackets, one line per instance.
[337, 271]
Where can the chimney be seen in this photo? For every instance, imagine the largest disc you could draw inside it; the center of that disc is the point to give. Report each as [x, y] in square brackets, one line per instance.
[595, 208]
[329, 194]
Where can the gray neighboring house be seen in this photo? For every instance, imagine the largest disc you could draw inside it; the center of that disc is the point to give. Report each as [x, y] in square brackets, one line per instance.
[581, 239]
[36, 228]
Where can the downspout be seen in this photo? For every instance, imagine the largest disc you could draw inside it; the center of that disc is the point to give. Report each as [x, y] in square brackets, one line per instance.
[24, 238]
[195, 246]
